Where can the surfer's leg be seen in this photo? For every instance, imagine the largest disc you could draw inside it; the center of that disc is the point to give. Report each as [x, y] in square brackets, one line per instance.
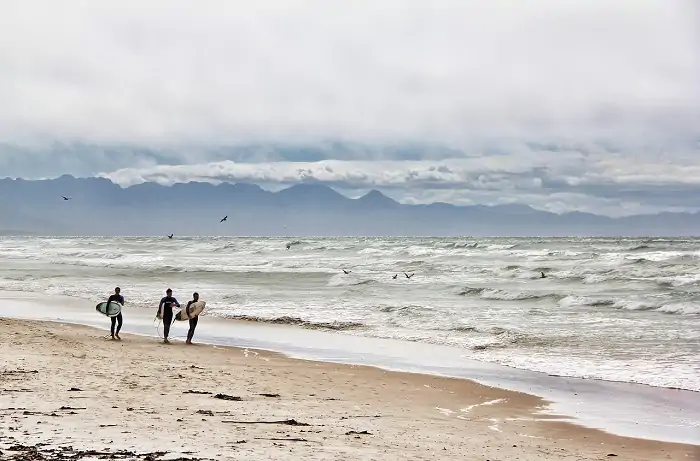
[114, 322]
[193, 325]
[120, 321]
[167, 321]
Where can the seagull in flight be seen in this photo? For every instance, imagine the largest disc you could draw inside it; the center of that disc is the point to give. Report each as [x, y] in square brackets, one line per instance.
[408, 276]
[394, 276]
[66, 198]
[170, 236]
[346, 272]
[223, 219]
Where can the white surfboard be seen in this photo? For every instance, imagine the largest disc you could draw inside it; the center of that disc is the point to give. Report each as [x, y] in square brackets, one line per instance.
[159, 312]
[194, 310]
[110, 309]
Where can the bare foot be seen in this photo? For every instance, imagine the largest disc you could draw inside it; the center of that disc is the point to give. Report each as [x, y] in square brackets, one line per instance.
[118, 338]
[188, 342]
[112, 337]
[165, 341]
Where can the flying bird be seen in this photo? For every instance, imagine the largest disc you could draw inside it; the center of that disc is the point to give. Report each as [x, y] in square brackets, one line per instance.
[170, 236]
[408, 276]
[346, 272]
[223, 219]
[394, 277]
[66, 198]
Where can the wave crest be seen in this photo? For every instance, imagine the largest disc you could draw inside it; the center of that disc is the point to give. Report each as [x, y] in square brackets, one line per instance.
[503, 295]
[310, 324]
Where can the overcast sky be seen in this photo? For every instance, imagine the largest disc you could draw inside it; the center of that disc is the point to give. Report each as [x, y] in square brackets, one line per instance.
[561, 104]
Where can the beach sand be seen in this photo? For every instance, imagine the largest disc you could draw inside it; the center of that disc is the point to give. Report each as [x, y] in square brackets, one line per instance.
[137, 398]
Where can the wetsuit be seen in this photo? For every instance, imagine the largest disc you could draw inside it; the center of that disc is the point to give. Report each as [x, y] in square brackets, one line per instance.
[193, 322]
[118, 318]
[167, 305]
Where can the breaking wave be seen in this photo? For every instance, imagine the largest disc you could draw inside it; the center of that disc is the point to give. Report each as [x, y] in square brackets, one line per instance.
[286, 320]
[503, 295]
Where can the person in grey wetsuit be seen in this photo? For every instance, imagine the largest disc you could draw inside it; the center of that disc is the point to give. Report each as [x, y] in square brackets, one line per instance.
[193, 321]
[166, 309]
[116, 298]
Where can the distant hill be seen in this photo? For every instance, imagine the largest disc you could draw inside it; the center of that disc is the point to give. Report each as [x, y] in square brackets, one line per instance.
[100, 207]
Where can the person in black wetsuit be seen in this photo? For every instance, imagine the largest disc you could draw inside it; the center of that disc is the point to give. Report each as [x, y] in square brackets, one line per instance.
[193, 321]
[117, 298]
[166, 308]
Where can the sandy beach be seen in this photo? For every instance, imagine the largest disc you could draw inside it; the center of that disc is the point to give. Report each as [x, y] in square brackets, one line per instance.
[65, 391]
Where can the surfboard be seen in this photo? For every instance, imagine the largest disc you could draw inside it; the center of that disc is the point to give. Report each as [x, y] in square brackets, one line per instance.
[111, 309]
[159, 311]
[195, 310]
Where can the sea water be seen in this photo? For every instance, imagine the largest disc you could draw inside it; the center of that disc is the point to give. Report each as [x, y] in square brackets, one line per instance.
[611, 309]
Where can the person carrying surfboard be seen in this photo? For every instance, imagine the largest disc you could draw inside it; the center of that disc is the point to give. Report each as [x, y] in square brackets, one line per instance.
[165, 309]
[193, 320]
[118, 320]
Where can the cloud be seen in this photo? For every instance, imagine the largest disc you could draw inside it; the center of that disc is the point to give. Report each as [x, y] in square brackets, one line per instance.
[183, 73]
[554, 180]
[585, 104]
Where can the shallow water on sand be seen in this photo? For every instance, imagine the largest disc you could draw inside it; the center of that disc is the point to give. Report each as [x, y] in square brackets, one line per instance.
[613, 309]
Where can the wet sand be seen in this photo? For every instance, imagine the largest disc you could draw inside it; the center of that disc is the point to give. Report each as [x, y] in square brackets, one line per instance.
[140, 399]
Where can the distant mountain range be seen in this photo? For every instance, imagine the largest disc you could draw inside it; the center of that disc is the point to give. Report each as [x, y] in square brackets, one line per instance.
[99, 207]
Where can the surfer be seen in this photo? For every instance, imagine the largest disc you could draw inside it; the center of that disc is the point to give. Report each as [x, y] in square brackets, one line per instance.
[118, 320]
[193, 320]
[166, 309]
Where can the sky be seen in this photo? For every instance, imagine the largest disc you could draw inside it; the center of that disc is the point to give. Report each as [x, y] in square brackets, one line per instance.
[590, 105]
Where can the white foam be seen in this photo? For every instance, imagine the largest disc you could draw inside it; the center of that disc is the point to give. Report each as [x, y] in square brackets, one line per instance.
[634, 305]
[476, 405]
[445, 411]
[681, 308]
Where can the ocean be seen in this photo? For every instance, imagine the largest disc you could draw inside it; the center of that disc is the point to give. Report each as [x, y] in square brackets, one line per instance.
[610, 309]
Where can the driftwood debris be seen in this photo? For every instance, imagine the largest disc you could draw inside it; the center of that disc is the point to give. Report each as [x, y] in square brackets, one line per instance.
[286, 422]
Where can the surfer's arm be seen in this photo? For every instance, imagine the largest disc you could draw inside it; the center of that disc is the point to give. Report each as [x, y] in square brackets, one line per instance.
[175, 302]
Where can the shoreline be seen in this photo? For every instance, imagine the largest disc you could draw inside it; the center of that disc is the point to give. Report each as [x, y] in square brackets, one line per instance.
[369, 337]
[242, 402]
[585, 403]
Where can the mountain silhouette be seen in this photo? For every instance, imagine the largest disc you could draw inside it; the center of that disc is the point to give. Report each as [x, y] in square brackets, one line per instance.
[375, 200]
[100, 207]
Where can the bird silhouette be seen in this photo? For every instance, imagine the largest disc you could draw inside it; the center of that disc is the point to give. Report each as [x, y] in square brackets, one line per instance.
[66, 198]
[543, 276]
[346, 272]
[408, 276]
[394, 277]
[223, 219]
[170, 236]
